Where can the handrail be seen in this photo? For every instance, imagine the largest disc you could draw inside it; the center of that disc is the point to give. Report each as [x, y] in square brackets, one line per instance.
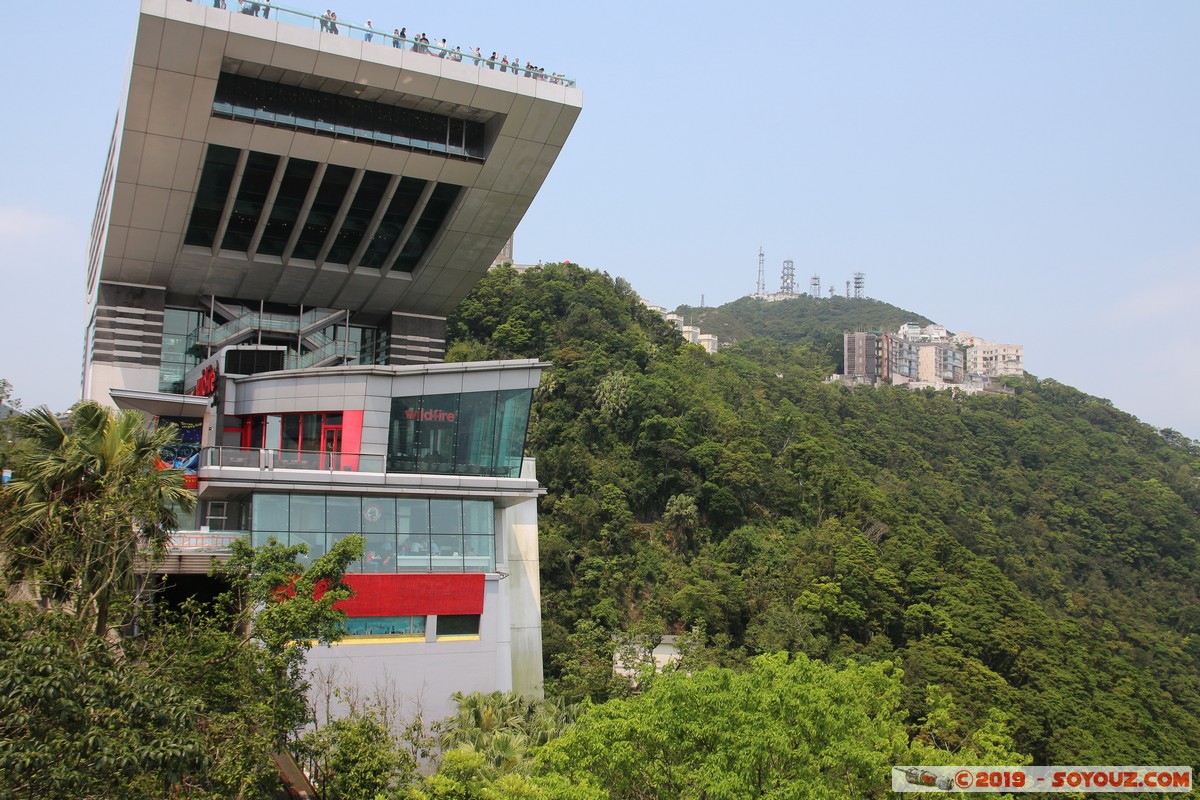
[383, 38]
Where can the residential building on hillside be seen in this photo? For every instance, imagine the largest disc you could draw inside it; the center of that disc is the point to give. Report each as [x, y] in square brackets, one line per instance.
[894, 358]
[996, 360]
[286, 218]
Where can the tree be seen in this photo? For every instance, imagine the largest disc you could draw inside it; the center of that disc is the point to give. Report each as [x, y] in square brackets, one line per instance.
[279, 609]
[784, 728]
[79, 719]
[87, 501]
[355, 758]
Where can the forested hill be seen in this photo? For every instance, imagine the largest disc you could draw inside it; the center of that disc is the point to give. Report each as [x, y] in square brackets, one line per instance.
[817, 322]
[1032, 555]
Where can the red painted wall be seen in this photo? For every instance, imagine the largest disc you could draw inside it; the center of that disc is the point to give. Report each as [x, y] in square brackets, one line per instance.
[413, 595]
[352, 424]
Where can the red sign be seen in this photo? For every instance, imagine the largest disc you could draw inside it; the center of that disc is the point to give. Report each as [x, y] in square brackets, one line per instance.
[206, 384]
[430, 415]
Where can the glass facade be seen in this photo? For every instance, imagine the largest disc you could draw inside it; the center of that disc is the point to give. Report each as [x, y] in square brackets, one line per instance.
[474, 433]
[282, 106]
[403, 534]
[179, 354]
[385, 626]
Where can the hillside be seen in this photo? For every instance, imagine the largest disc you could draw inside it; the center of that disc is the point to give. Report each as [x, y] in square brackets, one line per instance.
[816, 322]
[1033, 556]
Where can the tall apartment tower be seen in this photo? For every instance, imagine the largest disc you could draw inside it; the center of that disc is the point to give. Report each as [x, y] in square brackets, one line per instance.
[287, 215]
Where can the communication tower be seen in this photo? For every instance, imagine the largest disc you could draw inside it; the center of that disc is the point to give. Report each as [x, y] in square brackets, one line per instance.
[847, 288]
[860, 283]
[762, 280]
[788, 284]
[814, 286]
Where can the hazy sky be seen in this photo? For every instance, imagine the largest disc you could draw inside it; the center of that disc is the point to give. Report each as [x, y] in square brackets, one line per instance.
[1026, 171]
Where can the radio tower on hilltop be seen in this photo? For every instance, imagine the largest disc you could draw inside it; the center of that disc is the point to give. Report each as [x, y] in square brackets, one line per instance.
[814, 286]
[761, 290]
[788, 283]
[860, 284]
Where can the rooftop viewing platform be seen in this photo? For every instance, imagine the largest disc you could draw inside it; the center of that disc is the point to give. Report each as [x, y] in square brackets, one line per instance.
[399, 38]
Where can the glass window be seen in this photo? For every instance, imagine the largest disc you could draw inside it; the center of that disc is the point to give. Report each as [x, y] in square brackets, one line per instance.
[323, 212]
[269, 512]
[445, 516]
[412, 515]
[308, 512]
[385, 626]
[479, 553]
[413, 552]
[408, 192]
[259, 538]
[510, 432]
[478, 516]
[435, 212]
[358, 218]
[310, 436]
[220, 163]
[476, 433]
[315, 542]
[291, 433]
[286, 209]
[248, 205]
[343, 514]
[457, 625]
[402, 434]
[379, 515]
[379, 552]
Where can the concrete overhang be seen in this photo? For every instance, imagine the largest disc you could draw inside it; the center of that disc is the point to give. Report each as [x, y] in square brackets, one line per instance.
[158, 404]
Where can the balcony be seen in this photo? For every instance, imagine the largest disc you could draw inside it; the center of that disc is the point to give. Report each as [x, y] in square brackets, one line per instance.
[381, 38]
[309, 460]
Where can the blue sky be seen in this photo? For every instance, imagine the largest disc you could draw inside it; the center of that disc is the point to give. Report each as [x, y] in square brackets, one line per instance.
[1027, 171]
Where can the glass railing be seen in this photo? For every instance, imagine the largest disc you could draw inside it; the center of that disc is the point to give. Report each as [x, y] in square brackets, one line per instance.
[310, 460]
[320, 461]
[327, 351]
[204, 540]
[400, 552]
[378, 36]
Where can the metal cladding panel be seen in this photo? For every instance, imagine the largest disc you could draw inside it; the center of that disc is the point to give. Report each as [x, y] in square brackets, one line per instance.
[166, 127]
[413, 595]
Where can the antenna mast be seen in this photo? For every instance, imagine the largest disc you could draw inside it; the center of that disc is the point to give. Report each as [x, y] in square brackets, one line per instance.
[788, 283]
[860, 284]
[762, 280]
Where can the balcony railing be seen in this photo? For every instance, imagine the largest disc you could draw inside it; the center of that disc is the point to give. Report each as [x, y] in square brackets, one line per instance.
[205, 541]
[311, 460]
[379, 36]
[321, 461]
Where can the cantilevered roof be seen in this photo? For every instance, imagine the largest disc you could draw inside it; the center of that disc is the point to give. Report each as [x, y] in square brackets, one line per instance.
[252, 200]
[158, 404]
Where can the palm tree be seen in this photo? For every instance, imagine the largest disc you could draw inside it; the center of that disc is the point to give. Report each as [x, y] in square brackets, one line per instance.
[87, 498]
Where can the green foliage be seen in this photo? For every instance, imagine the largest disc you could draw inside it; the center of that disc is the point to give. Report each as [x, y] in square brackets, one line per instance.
[284, 609]
[87, 502]
[78, 719]
[1036, 551]
[355, 757]
[783, 728]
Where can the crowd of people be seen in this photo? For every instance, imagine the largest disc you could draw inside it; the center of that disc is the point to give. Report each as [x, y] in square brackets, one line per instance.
[417, 43]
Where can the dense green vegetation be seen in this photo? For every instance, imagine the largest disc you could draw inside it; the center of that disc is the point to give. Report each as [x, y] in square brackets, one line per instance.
[1034, 552]
[815, 322]
[860, 578]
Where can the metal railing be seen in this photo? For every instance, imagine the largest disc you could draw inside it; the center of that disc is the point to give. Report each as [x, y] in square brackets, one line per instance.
[205, 540]
[309, 460]
[380, 37]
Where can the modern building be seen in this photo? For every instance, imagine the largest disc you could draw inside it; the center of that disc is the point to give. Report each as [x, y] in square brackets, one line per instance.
[287, 215]
[908, 357]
